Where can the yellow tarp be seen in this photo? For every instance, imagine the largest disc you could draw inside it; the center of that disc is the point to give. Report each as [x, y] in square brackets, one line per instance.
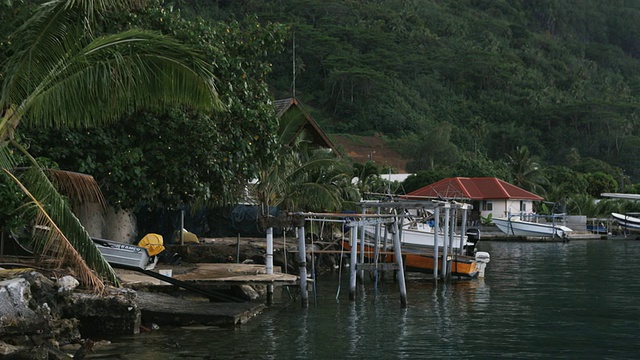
[187, 237]
[153, 243]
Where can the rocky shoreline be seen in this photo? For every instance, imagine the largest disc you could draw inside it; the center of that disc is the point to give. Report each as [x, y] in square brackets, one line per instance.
[43, 315]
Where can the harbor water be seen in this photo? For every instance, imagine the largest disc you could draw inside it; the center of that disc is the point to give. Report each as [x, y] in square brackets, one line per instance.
[552, 300]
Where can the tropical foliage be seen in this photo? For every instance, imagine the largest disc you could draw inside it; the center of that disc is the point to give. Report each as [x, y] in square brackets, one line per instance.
[303, 177]
[465, 77]
[61, 70]
[178, 158]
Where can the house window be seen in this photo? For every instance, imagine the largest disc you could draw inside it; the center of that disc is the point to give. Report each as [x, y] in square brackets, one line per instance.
[523, 206]
[487, 206]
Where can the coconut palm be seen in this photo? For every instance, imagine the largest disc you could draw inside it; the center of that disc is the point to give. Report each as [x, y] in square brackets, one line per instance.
[525, 172]
[62, 72]
[303, 178]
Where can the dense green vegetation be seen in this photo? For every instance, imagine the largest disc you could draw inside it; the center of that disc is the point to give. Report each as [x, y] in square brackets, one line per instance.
[60, 70]
[466, 78]
[543, 94]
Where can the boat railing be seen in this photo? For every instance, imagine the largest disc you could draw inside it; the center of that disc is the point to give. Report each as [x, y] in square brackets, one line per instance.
[554, 219]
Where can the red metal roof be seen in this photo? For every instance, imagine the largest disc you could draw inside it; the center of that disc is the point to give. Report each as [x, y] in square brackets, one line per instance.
[483, 188]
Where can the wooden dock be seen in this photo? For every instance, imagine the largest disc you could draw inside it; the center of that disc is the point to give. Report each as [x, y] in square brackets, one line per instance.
[163, 309]
[209, 274]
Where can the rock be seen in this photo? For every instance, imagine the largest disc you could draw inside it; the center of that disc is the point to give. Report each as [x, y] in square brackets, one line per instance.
[248, 292]
[17, 315]
[67, 283]
[114, 313]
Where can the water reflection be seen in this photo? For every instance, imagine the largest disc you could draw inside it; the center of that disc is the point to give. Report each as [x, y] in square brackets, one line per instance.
[539, 300]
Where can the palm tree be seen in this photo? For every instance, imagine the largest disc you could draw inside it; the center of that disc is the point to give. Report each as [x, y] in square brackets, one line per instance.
[303, 178]
[525, 172]
[62, 73]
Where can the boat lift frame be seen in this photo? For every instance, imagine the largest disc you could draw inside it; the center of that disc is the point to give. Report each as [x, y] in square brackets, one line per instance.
[359, 221]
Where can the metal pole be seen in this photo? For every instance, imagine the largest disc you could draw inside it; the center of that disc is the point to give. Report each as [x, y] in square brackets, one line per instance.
[269, 255]
[376, 253]
[452, 227]
[361, 272]
[445, 242]
[302, 253]
[269, 264]
[398, 253]
[352, 278]
[463, 229]
[384, 246]
[238, 249]
[436, 233]
[181, 227]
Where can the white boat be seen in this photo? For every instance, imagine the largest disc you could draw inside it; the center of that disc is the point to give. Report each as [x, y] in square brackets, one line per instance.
[515, 226]
[626, 221]
[121, 254]
[421, 233]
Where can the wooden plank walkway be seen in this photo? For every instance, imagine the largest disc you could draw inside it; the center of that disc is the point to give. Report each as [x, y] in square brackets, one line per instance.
[210, 274]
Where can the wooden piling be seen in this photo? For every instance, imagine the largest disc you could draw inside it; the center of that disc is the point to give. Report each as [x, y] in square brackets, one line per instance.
[302, 254]
[398, 254]
[352, 263]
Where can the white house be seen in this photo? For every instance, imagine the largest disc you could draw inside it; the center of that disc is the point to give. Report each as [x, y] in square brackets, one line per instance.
[487, 194]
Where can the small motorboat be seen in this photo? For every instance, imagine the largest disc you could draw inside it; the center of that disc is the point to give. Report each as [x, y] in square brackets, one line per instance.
[128, 255]
[627, 222]
[515, 226]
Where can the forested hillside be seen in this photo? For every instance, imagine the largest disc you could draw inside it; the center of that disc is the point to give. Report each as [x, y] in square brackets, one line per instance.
[449, 80]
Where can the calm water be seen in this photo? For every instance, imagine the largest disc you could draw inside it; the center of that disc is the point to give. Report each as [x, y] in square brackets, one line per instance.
[579, 300]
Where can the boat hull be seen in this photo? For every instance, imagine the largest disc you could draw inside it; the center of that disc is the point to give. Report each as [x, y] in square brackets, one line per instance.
[423, 235]
[127, 255]
[416, 259]
[517, 227]
[628, 222]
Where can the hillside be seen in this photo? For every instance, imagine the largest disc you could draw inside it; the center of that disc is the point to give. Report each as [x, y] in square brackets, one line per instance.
[364, 148]
[482, 77]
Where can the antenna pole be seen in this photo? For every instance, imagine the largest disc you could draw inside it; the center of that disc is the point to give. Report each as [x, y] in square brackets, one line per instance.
[294, 64]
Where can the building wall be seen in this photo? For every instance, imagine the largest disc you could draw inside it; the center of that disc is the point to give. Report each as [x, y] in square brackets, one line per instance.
[502, 208]
[108, 224]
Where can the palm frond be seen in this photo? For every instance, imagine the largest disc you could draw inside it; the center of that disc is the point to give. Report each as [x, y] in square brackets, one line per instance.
[111, 76]
[7, 160]
[53, 241]
[35, 183]
[79, 188]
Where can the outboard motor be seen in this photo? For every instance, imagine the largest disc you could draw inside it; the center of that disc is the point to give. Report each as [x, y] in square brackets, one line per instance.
[482, 259]
[473, 237]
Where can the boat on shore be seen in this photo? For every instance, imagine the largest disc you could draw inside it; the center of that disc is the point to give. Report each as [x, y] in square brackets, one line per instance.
[627, 222]
[127, 255]
[515, 226]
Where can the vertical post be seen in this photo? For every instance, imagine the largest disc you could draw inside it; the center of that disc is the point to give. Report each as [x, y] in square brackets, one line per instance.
[302, 253]
[182, 227]
[376, 251]
[398, 254]
[436, 233]
[463, 229]
[352, 278]
[453, 219]
[362, 233]
[269, 255]
[384, 244]
[238, 249]
[445, 232]
[269, 264]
